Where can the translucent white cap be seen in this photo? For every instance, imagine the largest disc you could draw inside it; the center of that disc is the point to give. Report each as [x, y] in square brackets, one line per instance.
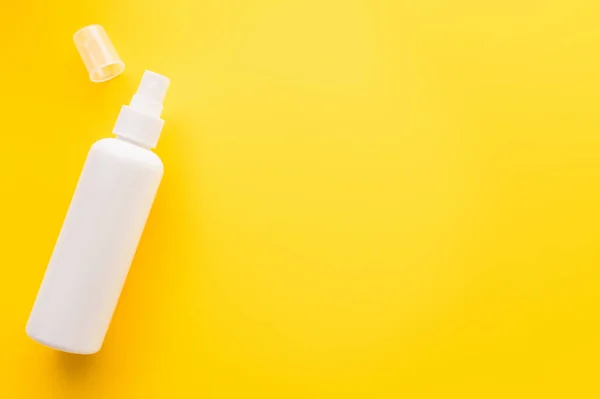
[140, 120]
[98, 54]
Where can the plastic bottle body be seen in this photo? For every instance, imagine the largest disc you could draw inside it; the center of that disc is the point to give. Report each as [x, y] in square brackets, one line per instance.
[95, 247]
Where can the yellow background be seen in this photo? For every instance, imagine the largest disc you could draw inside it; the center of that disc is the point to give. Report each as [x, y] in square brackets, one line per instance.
[362, 198]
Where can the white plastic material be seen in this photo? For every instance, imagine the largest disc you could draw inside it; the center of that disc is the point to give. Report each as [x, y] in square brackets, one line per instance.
[99, 238]
[140, 121]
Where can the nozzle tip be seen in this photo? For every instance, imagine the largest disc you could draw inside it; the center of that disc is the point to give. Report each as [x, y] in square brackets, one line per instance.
[153, 86]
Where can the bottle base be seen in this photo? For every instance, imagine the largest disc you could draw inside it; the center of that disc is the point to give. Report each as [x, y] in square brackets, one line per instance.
[59, 347]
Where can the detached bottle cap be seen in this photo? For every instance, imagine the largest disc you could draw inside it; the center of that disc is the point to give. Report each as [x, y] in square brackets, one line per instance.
[98, 53]
[140, 120]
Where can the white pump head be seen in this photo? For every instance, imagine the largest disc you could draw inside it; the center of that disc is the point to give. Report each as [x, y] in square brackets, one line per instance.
[140, 121]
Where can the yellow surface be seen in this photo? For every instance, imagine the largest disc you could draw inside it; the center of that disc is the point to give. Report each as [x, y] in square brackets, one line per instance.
[362, 199]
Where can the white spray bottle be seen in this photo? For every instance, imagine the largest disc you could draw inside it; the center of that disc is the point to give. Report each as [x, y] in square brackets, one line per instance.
[102, 228]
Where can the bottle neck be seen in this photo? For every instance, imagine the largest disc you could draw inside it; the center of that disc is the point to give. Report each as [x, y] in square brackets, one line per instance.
[134, 142]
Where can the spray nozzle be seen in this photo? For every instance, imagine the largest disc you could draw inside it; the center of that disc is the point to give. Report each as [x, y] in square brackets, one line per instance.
[150, 94]
[140, 121]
